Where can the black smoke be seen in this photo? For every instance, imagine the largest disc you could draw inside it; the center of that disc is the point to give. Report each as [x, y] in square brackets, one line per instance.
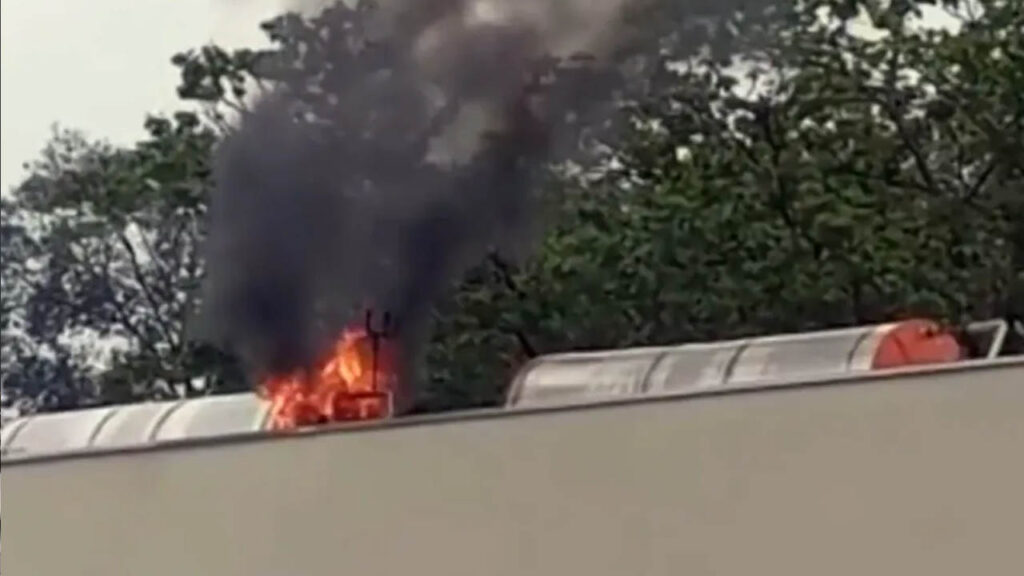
[398, 146]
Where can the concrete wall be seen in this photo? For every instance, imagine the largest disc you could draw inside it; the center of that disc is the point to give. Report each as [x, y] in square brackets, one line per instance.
[916, 475]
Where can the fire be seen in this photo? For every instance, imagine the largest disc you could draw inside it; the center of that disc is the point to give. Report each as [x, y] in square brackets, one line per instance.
[354, 381]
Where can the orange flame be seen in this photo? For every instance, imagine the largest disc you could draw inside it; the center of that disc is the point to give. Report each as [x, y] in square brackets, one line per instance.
[355, 381]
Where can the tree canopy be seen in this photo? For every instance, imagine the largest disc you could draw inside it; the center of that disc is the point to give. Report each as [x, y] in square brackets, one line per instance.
[836, 163]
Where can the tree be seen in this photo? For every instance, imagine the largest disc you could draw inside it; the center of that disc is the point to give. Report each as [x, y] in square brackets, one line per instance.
[115, 232]
[100, 264]
[796, 176]
[825, 179]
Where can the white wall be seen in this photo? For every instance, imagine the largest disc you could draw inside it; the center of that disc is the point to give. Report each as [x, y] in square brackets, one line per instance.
[916, 475]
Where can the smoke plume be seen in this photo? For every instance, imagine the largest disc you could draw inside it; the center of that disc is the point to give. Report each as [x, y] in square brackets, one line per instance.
[399, 145]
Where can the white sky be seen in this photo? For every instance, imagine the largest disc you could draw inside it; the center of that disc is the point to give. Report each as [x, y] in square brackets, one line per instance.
[101, 65]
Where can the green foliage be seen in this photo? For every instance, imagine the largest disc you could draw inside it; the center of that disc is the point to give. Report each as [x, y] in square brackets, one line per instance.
[107, 251]
[823, 178]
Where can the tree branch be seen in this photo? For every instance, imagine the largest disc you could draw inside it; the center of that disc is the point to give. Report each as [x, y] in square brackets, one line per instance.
[507, 279]
[167, 281]
[140, 279]
[981, 180]
[119, 307]
[890, 102]
[782, 196]
[920, 162]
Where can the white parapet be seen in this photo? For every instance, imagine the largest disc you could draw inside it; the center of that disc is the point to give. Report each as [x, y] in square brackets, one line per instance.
[910, 472]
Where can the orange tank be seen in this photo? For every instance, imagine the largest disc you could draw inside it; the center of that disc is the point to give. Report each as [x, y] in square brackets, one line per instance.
[916, 341]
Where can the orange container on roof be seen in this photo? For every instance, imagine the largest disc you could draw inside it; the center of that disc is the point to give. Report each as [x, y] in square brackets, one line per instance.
[914, 342]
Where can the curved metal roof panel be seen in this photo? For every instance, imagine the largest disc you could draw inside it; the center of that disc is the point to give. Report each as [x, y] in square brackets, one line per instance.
[57, 432]
[213, 416]
[585, 376]
[10, 430]
[135, 424]
[694, 367]
[604, 375]
[811, 354]
[132, 424]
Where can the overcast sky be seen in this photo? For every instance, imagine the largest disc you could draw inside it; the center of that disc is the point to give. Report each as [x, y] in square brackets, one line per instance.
[101, 65]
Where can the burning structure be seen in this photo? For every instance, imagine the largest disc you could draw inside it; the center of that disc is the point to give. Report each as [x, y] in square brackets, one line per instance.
[398, 145]
[385, 161]
[355, 380]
